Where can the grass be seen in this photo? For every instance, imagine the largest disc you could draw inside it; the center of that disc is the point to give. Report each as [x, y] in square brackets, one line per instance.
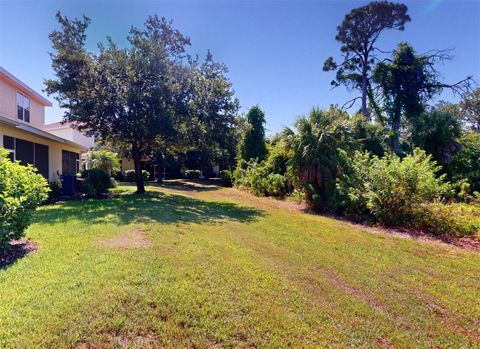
[210, 267]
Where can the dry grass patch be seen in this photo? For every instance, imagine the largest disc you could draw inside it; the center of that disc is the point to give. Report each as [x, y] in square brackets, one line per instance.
[134, 238]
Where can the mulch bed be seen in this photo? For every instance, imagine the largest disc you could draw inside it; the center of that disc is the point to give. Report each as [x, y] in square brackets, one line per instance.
[18, 249]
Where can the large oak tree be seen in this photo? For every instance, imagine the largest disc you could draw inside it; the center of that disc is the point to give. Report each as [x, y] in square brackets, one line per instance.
[141, 95]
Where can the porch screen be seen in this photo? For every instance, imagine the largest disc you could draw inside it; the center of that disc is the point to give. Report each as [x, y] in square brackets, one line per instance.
[28, 153]
[41, 159]
[69, 162]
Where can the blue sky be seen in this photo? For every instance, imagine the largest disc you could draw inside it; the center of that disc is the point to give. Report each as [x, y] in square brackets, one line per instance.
[274, 50]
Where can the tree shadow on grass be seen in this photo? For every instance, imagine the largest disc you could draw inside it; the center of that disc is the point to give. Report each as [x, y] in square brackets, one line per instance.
[150, 207]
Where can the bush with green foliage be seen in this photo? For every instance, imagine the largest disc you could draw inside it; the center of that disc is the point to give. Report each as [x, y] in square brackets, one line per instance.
[227, 177]
[192, 174]
[437, 134]
[55, 189]
[465, 165]
[104, 160]
[373, 137]
[130, 175]
[95, 182]
[22, 190]
[454, 219]
[390, 190]
[255, 177]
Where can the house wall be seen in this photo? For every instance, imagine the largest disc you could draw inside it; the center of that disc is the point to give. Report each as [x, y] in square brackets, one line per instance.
[8, 105]
[54, 148]
[73, 135]
[66, 133]
[127, 164]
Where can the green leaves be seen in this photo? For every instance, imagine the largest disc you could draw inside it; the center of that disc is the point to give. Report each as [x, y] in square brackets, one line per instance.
[22, 190]
[390, 190]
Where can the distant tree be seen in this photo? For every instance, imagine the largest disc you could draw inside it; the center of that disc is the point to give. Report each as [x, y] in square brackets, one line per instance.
[470, 109]
[252, 145]
[358, 35]
[407, 82]
[212, 111]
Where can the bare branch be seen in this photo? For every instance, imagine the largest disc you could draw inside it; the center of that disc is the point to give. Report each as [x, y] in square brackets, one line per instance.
[460, 87]
[350, 103]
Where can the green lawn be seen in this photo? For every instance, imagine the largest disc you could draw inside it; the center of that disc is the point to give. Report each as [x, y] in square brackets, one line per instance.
[211, 267]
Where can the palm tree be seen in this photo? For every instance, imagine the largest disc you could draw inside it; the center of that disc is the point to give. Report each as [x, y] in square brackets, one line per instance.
[104, 160]
[316, 159]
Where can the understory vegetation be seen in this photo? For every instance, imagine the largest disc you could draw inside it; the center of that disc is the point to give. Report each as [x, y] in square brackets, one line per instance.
[399, 160]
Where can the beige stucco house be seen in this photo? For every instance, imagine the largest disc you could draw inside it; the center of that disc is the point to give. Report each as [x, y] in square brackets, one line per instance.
[23, 134]
[66, 131]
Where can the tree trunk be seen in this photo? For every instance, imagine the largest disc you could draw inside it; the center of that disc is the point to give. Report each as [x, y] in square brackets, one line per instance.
[396, 133]
[365, 112]
[137, 156]
[364, 98]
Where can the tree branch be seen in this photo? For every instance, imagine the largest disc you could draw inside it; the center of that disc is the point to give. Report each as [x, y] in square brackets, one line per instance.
[350, 103]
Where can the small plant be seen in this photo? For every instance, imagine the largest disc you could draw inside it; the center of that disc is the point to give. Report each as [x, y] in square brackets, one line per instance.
[130, 175]
[22, 190]
[227, 178]
[192, 174]
[297, 195]
[55, 190]
[145, 175]
[95, 182]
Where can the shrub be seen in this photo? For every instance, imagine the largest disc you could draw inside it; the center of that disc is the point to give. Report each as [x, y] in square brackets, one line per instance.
[465, 165]
[227, 178]
[55, 190]
[104, 160]
[452, 219]
[273, 185]
[390, 190]
[192, 174]
[145, 175]
[95, 182]
[22, 190]
[130, 176]
[297, 195]
[255, 178]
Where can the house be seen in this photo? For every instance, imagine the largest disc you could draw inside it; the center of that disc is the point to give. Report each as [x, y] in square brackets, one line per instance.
[66, 131]
[22, 131]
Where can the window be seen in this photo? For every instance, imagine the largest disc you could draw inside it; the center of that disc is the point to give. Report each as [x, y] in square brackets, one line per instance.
[23, 107]
[27, 153]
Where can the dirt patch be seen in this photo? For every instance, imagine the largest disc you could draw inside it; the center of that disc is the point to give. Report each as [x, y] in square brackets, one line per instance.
[131, 239]
[18, 249]
[341, 284]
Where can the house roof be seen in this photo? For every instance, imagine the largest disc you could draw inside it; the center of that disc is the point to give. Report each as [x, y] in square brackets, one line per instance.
[24, 87]
[36, 131]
